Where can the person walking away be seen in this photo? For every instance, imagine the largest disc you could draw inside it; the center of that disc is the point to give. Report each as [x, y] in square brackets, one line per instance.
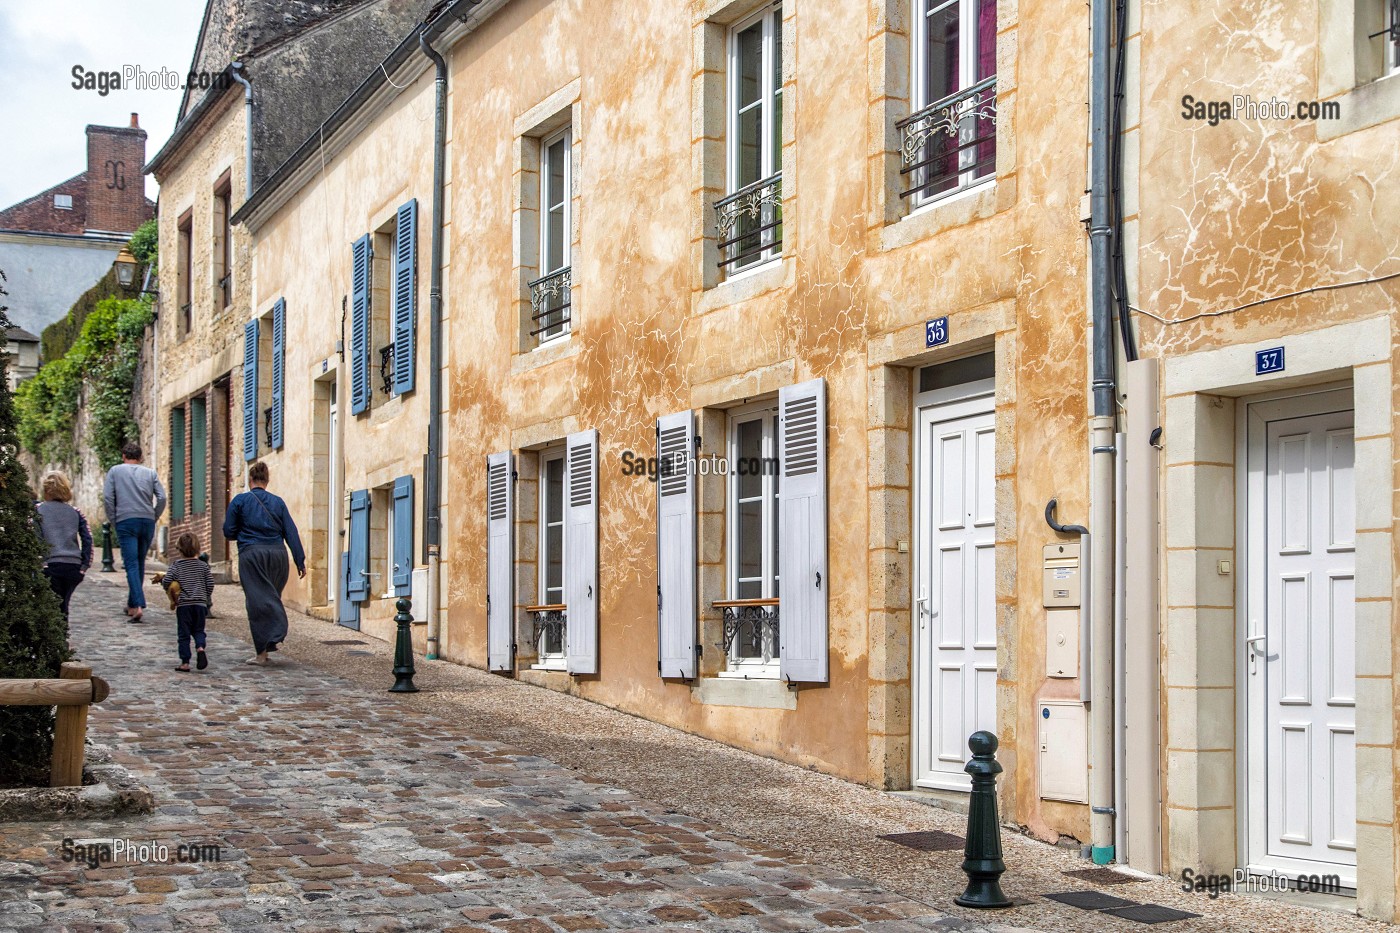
[196, 583]
[134, 499]
[260, 523]
[68, 535]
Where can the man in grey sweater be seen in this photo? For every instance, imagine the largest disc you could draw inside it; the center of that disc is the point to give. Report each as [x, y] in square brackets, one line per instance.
[134, 499]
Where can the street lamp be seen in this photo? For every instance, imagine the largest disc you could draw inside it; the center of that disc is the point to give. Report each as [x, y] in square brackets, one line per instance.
[126, 268]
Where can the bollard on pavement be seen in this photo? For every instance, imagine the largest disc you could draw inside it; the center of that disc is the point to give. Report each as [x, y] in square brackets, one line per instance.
[982, 861]
[403, 649]
[108, 565]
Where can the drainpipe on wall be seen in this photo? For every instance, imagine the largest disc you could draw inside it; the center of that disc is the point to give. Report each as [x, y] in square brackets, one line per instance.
[432, 479]
[1102, 428]
[237, 69]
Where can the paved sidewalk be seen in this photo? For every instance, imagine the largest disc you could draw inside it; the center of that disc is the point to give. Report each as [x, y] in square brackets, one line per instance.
[338, 808]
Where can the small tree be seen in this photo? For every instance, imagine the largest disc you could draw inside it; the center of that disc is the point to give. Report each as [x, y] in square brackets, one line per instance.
[33, 634]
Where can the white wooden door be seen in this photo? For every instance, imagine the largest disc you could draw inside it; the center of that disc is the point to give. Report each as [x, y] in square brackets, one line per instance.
[1300, 643]
[954, 614]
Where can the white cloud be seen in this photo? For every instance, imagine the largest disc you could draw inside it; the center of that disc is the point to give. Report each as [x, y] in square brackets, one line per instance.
[40, 42]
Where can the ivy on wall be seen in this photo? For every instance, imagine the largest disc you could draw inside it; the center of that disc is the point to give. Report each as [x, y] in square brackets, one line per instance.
[99, 368]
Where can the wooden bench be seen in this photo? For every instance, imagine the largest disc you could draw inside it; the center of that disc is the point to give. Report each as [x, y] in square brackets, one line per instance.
[72, 692]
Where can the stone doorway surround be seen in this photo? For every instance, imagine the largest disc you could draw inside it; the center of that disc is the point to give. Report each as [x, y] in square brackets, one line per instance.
[1203, 812]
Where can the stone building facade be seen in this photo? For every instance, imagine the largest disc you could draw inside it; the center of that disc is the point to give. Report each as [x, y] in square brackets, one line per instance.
[835, 257]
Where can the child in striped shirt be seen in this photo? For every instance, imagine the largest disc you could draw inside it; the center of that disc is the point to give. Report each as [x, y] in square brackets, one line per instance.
[196, 584]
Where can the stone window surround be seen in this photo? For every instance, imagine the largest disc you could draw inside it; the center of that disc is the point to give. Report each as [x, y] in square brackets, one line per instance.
[1202, 714]
[890, 220]
[893, 362]
[709, 119]
[220, 241]
[561, 109]
[1351, 67]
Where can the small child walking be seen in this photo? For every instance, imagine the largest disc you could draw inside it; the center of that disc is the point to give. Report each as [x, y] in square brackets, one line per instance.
[196, 585]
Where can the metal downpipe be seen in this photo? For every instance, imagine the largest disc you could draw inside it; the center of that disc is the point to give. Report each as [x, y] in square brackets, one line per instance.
[1102, 428]
[237, 71]
[432, 468]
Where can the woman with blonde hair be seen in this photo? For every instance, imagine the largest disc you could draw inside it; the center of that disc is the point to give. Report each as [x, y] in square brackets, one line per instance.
[68, 536]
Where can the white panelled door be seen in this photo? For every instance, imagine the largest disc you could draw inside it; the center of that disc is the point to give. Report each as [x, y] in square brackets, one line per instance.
[1300, 644]
[954, 614]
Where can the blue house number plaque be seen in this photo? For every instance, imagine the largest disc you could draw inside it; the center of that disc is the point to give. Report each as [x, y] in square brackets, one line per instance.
[1268, 361]
[936, 333]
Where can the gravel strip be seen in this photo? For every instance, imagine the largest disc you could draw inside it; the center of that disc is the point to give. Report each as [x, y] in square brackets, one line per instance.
[818, 817]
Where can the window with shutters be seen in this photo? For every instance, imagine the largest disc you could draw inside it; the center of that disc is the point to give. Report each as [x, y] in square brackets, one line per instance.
[381, 312]
[184, 271]
[551, 637]
[199, 456]
[390, 316]
[751, 617]
[270, 373]
[545, 222]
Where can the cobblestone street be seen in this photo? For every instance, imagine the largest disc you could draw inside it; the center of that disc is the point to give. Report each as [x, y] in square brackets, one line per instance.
[340, 807]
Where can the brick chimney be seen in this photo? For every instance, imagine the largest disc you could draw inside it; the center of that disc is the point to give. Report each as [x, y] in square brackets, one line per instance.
[116, 188]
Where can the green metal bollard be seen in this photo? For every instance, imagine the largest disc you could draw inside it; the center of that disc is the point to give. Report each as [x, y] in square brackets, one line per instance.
[982, 861]
[403, 649]
[108, 565]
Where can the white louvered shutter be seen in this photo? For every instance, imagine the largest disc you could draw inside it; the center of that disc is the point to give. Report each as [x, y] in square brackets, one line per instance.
[675, 547]
[500, 561]
[802, 579]
[581, 551]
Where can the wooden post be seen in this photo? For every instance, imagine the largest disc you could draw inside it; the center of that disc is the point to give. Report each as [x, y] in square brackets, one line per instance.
[70, 728]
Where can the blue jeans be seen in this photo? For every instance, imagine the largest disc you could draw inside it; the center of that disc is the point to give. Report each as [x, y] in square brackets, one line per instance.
[189, 623]
[134, 536]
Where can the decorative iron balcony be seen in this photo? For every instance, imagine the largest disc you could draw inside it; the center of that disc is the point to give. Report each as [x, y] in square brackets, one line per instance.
[550, 303]
[550, 622]
[750, 223]
[752, 624]
[951, 142]
[386, 369]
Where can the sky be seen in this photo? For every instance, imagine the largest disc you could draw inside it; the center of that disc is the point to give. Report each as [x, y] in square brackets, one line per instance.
[44, 115]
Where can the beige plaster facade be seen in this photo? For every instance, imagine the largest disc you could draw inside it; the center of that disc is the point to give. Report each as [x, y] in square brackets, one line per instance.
[1216, 217]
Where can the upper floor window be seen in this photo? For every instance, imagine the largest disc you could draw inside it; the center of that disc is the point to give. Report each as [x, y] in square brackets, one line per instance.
[185, 271]
[949, 142]
[550, 293]
[749, 218]
[63, 202]
[223, 243]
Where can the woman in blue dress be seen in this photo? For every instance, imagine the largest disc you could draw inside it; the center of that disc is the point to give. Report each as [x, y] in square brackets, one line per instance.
[262, 526]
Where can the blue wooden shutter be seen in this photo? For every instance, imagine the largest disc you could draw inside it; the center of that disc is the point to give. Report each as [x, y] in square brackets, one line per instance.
[675, 547]
[581, 552]
[357, 581]
[405, 297]
[802, 573]
[250, 390]
[359, 325]
[279, 336]
[403, 535]
[349, 611]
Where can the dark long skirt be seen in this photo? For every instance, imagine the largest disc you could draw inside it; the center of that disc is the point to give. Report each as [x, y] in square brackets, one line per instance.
[262, 568]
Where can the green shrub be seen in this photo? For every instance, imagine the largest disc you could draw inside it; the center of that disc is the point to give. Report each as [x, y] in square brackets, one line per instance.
[33, 633]
[145, 242]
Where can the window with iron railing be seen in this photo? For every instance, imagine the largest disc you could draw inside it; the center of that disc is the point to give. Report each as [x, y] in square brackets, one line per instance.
[948, 143]
[551, 293]
[749, 219]
[751, 612]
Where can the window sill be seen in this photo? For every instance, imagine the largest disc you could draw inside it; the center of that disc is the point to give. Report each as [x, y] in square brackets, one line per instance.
[1364, 106]
[752, 693]
[560, 666]
[551, 351]
[954, 210]
[749, 284]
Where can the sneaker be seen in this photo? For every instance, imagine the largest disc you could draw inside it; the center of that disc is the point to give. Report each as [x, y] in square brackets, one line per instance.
[202, 659]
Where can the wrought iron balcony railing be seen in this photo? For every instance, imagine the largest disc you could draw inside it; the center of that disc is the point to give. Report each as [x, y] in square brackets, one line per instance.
[551, 628]
[751, 627]
[950, 143]
[750, 224]
[386, 369]
[550, 303]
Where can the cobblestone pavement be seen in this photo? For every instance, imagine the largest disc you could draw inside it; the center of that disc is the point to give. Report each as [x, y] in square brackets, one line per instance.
[339, 809]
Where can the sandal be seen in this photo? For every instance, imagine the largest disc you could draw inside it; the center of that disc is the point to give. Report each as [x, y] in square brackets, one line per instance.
[183, 668]
[202, 660]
